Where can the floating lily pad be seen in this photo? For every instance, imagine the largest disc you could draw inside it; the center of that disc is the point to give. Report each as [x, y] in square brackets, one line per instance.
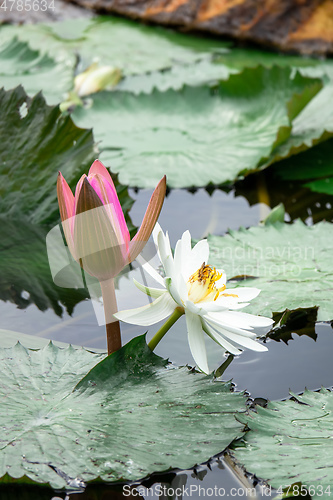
[312, 126]
[37, 142]
[131, 415]
[290, 263]
[127, 45]
[229, 128]
[291, 442]
[8, 338]
[19, 64]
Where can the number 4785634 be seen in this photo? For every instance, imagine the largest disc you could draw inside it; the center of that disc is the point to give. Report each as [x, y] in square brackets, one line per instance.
[27, 5]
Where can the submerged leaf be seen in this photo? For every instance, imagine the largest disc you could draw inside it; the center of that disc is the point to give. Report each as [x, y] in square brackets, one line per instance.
[131, 415]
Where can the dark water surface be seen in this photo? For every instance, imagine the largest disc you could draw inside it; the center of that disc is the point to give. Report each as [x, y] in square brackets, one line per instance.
[302, 362]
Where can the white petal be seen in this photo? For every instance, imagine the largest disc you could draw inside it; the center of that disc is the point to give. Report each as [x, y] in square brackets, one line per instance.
[204, 307]
[165, 254]
[152, 292]
[229, 302]
[240, 340]
[242, 319]
[173, 291]
[196, 341]
[151, 313]
[182, 250]
[245, 294]
[193, 308]
[232, 328]
[150, 270]
[222, 281]
[197, 257]
[157, 229]
[221, 340]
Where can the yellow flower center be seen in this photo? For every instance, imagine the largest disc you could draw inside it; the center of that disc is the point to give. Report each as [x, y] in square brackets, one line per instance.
[201, 286]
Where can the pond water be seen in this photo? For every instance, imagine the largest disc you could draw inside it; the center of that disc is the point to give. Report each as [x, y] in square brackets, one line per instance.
[270, 375]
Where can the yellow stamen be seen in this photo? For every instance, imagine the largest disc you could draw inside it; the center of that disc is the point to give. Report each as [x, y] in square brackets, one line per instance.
[202, 284]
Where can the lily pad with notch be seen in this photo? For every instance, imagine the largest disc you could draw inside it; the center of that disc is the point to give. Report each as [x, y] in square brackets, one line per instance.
[131, 415]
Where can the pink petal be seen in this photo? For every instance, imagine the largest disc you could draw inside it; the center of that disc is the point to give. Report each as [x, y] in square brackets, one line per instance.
[65, 198]
[101, 180]
[98, 168]
[96, 243]
[66, 208]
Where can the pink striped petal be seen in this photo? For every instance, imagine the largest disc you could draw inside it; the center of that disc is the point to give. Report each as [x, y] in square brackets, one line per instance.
[65, 198]
[108, 195]
[66, 207]
[98, 168]
[96, 244]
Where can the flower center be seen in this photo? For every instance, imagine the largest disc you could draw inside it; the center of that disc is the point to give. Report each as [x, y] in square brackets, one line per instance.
[201, 286]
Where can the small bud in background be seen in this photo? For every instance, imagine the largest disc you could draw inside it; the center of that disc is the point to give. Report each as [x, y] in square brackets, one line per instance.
[96, 78]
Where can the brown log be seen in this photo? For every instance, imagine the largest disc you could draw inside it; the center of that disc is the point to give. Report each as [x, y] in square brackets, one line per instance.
[303, 26]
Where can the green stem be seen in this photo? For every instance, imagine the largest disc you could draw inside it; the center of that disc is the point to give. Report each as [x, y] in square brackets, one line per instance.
[178, 312]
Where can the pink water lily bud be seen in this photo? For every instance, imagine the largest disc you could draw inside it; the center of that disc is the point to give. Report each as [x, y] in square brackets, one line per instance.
[94, 224]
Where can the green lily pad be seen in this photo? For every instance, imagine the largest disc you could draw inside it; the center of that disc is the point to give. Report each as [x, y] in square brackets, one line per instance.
[131, 415]
[25, 276]
[314, 124]
[19, 64]
[290, 263]
[314, 165]
[8, 338]
[37, 142]
[300, 321]
[291, 442]
[133, 48]
[230, 128]
[206, 70]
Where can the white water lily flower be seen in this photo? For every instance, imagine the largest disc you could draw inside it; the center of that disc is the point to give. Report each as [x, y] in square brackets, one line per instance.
[194, 288]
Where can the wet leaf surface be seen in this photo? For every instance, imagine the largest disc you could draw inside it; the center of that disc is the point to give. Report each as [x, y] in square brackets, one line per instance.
[132, 414]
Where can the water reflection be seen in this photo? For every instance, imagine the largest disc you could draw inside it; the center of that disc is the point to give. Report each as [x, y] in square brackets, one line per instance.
[296, 362]
[299, 202]
[219, 477]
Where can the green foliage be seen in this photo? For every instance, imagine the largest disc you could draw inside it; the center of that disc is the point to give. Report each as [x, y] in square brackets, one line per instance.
[290, 263]
[35, 71]
[25, 276]
[300, 321]
[291, 442]
[130, 415]
[315, 163]
[37, 142]
[133, 48]
[230, 128]
[276, 215]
